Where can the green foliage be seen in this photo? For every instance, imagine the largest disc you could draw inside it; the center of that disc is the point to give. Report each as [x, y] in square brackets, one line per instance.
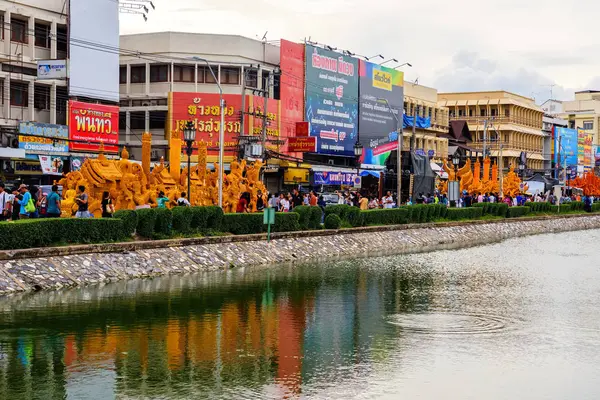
[205, 219]
[539, 207]
[214, 219]
[164, 222]
[386, 216]
[315, 218]
[409, 210]
[415, 216]
[455, 214]
[146, 222]
[44, 232]
[182, 219]
[333, 221]
[304, 215]
[476, 212]
[519, 211]
[285, 222]
[596, 207]
[576, 205]
[354, 217]
[341, 210]
[502, 209]
[129, 218]
[565, 208]
[242, 224]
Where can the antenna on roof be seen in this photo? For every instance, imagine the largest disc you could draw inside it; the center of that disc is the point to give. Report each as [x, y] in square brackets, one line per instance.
[264, 38]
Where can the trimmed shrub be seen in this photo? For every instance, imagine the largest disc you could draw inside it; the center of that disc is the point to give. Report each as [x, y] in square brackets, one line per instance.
[333, 221]
[443, 210]
[199, 218]
[455, 214]
[386, 216]
[409, 210]
[341, 210]
[214, 220]
[539, 207]
[565, 208]
[596, 207]
[129, 218]
[354, 217]
[25, 234]
[315, 218]
[243, 224]
[502, 209]
[146, 222]
[576, 205]
[284, 222]
[304, 215]
[476, 212]
[519, 211]
[164, 222]
[182, 219]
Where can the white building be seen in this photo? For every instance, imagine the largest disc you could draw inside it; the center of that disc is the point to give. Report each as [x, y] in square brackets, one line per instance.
[32, 30]
[170, 62]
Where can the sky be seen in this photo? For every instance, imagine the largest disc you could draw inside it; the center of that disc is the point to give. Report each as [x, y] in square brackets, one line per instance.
[464, 45]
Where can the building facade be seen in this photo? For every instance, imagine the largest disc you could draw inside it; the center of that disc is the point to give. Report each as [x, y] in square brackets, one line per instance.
[584, 113]
[174, 62]
[512, 125]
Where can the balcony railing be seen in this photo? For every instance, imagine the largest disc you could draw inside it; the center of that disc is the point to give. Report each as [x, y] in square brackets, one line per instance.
[500, 120]
[511, 145]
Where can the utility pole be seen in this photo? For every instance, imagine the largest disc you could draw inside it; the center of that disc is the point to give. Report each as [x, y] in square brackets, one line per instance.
[265, 118]
[243, 110]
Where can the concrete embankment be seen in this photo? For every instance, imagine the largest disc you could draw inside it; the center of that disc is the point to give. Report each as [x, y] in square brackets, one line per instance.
[54, 268]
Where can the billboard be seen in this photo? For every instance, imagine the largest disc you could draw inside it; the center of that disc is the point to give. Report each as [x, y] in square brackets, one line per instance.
[377, 125]
[91, 124]
[204, 111]
[588, 160]
[334, 178]
[565, 154]
[52, 165]
[580, 147]
[332, 100]
[292, 87]
[51, 69]
[94, 49]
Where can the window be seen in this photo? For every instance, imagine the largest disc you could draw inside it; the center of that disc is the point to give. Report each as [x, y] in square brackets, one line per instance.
[159, 73]
[2, 25]
[137, 120]
[461, 113]
[494, 112]
[158, 119]
[588, 125]
[277, 86]
[230, 75]
[42, 35]
[471, 112]
[265, 80]
[123, 74]
[41, 97]
[14, 69]
[18, 30]
[251, 77]
[183, 73]
[61, 38]
[61, 99]
[138, 74]
[204, 75]
[19, 93]
[483, 112]
[507, 113]
[2, 91]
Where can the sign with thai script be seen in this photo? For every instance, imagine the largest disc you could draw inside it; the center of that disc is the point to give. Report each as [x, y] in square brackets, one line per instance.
[52, 69]
[45, 130]
[332, 100]
[302, 144]
[91, 124]
[334, 178]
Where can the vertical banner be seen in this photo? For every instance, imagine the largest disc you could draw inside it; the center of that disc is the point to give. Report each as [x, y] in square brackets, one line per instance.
[332, 100]
[588, 160]
[580, 147]
[291, 89]
[566, 155]
[380, 88]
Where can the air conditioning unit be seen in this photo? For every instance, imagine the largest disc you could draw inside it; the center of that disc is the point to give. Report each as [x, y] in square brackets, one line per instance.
[9, 140]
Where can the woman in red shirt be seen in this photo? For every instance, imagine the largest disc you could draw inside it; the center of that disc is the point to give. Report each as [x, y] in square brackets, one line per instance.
[242, 206]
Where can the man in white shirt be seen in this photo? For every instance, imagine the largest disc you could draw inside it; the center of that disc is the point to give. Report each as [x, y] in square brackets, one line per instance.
[388, 200]
[182, 201]
[5, 203]
[492, 198]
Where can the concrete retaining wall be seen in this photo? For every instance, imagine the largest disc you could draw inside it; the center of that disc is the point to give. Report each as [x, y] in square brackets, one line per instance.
[82, 265]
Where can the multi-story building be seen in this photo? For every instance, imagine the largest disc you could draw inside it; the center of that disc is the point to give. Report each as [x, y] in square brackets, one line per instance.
[584, 112]
[513, 122]
[174, 62]
[31, 30]
[422, 101]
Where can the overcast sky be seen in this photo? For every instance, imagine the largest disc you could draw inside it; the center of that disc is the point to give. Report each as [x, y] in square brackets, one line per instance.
[465, 45]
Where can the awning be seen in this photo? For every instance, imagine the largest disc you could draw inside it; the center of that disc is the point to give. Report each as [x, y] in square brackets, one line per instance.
[9, 152]
[366, 172]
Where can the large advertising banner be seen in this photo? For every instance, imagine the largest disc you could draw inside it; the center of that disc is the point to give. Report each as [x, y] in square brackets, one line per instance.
[580, 147]
[332, 100]
[91, 124]
[292, 88]
[377, 122]
[204, 111]
[40, 138]
[588, 160]
[566, 154]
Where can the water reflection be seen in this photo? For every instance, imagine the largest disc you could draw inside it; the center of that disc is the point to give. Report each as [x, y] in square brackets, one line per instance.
[364, 328]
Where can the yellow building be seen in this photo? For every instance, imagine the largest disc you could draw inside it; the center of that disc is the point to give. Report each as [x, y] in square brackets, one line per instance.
[423, 101]
[514, 124]
[584, 112]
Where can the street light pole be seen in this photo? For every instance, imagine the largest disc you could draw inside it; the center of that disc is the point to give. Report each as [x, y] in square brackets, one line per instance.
[399, 155]
[189, 135]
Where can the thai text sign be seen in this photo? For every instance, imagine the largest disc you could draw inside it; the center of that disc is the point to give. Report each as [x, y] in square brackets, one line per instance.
[36, 137]
[302, 144]
[332, 100]
[334, 178]
[91, 124]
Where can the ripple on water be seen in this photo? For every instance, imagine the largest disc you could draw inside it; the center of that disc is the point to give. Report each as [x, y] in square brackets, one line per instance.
[450, 323]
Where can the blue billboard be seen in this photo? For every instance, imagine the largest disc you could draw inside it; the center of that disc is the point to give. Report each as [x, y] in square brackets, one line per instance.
[565, 147]
[332, 100]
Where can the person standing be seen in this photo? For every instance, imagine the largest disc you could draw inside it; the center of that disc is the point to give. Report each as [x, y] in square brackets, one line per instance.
[162, 200]
[314, 200]
[5, 203]
[364, 203]
[260, 203]
[25, 202]
[284, 204]
[82, 203]
[107, 207]
[242, 205]
[182, 201]
[53, 203]
[297, 200]
[388, 200]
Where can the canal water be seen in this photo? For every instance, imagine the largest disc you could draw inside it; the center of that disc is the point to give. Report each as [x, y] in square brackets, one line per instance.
[515, 320]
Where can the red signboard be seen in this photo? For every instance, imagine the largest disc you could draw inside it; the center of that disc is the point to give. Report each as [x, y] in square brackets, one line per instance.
[302, 129]
[302, 144]
[91, 124]
[292, 87]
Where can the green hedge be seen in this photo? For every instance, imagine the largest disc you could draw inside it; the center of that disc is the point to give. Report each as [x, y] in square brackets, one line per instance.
[182, 219]
[146, 222]
[539, 207]
[164, 222]
[455, 214]
[284, 222]
[43, 232]
[386, 216]
[129, 218]
[518, 211]
[304, 214]
[576, 205]
[355, 217]
[596, 207]
[341, 210]
[242, 224]
[333, 221]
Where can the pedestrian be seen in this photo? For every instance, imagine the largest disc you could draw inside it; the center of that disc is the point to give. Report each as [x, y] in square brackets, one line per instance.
[107, 206]
[16, 207]
[306, 199]
[260, 203]
[35, 196]
[183, 201]
[82, 203]
[297, 199]
[341, 199]
[243, 202]
[53, 203]
[388, 200]
[313, 199]
[162, 200]
[5, 203]
[284, 204]
[26, 204]
[363, 203]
